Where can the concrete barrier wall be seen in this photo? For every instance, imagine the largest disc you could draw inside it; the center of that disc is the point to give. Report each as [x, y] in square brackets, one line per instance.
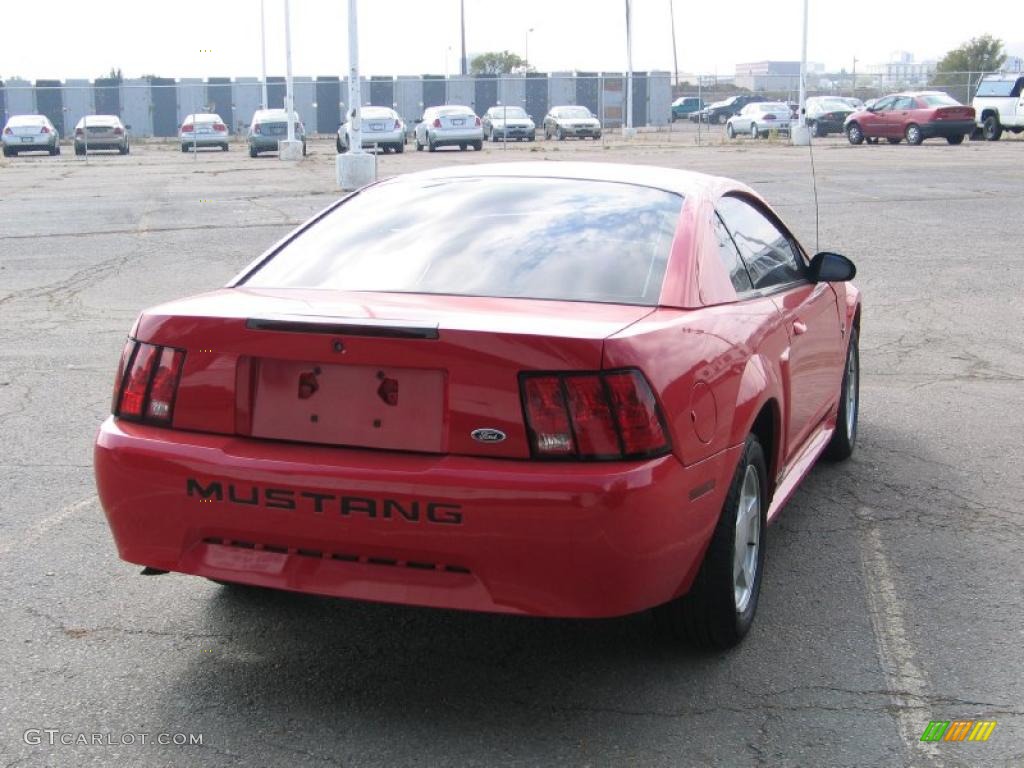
[157, 106]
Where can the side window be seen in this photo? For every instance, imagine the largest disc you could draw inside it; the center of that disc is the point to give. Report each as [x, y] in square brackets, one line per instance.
[770, 258]
[905, 102]
[1018, 88]
[885, 104]
[731, 257]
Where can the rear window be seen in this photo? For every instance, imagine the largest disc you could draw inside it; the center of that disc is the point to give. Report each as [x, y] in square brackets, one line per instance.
[997, 88]
[27, 120]
[534, 238]
[939, 100]
[574, 112]
[449, 111]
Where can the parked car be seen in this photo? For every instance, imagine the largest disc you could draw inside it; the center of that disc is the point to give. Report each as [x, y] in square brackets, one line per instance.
[449, 126]
[571, 121]
[853, 102]
[685, 106]
[205, 129]
[101, 132]
[381, 127]
[268, 127]
[494, 388]
[760, 119]
[30, 133]
[506, 122]
[999, 105]
[827, 114]
[912, 116]
[721, 111]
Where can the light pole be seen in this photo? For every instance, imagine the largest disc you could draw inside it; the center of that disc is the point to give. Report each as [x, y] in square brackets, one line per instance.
[290, 149]
[627, 125]
[462, 17]
[263, 47]
[355, 168]
[675, 58]
[800, 135]
[526, 47]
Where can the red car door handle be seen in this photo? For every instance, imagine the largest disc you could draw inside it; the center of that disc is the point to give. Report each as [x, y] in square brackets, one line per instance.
[799, 326]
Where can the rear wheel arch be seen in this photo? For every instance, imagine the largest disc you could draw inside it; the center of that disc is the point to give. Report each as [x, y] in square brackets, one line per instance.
[767, 427]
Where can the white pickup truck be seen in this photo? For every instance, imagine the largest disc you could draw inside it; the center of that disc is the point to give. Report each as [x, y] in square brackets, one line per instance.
[999, 104]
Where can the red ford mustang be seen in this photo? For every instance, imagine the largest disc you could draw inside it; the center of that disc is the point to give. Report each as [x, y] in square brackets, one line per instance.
[557, 389]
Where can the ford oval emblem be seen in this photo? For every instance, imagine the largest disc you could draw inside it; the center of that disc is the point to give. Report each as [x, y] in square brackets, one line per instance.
[488, 435]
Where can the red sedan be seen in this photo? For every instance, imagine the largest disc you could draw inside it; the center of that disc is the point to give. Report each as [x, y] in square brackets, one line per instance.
[558, 389]
[911, 116]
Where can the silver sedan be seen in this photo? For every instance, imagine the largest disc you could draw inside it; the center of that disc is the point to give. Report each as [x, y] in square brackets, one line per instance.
[759, 119]
[381, 127]
[449, 126]
[95, 132]
[30, 133]
[203, 130]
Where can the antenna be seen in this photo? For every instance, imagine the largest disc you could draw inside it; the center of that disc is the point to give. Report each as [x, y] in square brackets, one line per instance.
[814, 184]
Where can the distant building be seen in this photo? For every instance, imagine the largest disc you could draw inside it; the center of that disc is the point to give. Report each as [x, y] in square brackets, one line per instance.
[901, 69]
[1014, 64]
[774, 75]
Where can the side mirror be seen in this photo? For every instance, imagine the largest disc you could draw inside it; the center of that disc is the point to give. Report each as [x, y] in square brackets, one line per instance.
[418, 120]
[128, 127]
[828, 267]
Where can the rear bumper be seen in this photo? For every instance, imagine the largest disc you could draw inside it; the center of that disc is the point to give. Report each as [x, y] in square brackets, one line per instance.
[944, 128]
[514, 133]
[37, 143]
[443, 137]
[268, 143]
[106, 142]
[547, 539]
[210, 140]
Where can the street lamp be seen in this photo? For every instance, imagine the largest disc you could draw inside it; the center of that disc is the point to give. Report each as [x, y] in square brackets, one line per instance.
[526, 46]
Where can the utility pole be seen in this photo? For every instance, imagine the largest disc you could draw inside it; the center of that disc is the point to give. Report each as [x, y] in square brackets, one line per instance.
[627, 125]
[462, 11]
[263, 45]
[800, 135]
[355, 168]
[675, 58]
[290, 149]
[854, 94]
[526, 47]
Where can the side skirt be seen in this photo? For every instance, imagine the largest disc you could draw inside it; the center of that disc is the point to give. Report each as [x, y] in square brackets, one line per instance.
[800, 466]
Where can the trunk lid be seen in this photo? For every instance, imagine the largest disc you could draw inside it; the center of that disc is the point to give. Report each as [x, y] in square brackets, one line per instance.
[373, 370]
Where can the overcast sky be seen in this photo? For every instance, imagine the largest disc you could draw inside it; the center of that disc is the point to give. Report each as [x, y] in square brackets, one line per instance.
[171, 39]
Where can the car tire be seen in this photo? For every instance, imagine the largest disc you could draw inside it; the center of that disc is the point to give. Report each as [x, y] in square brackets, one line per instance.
[338, 147]
[253, 152]
[431, 146]
[819, 129]
[125, 148]
[754, 133]
[954, 140]
[224, 147]
[184, 147]
[532, 137]
[854, 134]
[914, 134]
[991, 129]
[719, 608]
[399, 147]
[478, 146]
[416, 143]
[303, 149]
[55, 150]
[730, 131]
[844, 439]
[723, 119]
[79, 150]
[7, 152]
[463, 147]
[561, 134]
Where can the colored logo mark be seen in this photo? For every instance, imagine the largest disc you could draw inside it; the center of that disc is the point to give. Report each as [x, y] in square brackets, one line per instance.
[958, 730]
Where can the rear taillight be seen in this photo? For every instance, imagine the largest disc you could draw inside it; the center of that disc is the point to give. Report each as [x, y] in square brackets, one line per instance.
[437, 122]
[119, 131]
[79, 132]
[44, 129]
[398, 125]
[8, 132]
[147, 382]
[219, 127]
[478, 121]
[256, 128]
[186, 128]
[592, 416]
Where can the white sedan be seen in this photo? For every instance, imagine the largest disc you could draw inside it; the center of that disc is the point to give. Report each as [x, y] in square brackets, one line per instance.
[759, 119]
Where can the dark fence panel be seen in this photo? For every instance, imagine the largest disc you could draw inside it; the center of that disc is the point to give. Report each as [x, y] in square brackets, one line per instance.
[107, 94]
[164, 94]
[3, 103]
[537, 95]
[382, 91]
[275, 92]
[218, 92]
[50, 101]
[485, 93]
[434, 91]
[328, 95]
[639, 98]
[588, 91]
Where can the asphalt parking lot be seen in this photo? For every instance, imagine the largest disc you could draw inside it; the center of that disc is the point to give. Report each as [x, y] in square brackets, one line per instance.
[893, 586]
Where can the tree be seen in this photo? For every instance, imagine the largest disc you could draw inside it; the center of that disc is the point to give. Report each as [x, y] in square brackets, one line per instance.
[979, 54]
[114, 74]
[496, 63]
